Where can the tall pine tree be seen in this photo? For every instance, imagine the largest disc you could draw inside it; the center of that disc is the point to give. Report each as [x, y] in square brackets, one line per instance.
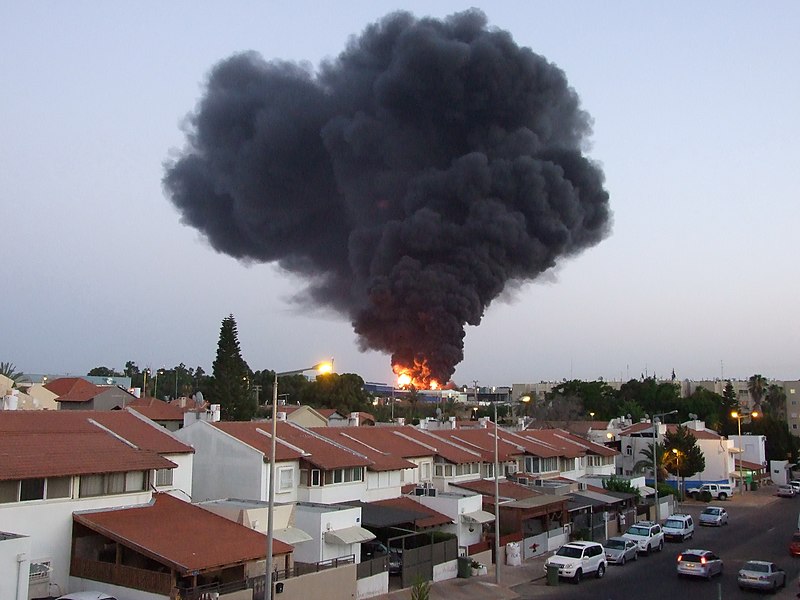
[232, 376]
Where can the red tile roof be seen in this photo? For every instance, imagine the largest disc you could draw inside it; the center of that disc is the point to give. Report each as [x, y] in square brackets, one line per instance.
[61, 443]
[294, 442]
[74, 389]
[381, 461]
[532, 444]
[390, 440]
[507, 489]
[552, 438]
[142, 433]
[157, 410]
[198, 540]
[450, 451]
[590, 447]
[701, 434]
[432, 519]
[482, 441]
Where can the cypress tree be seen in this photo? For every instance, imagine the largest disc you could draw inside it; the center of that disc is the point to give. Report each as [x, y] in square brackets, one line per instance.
[232, 376]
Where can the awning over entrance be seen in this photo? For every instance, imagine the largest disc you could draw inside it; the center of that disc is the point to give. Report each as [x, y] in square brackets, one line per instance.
[479, 516]
[349, 535]
[292, 535]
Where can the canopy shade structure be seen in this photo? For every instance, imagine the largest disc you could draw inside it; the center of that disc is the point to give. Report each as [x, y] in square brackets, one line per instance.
[479, 516]
[349, 535]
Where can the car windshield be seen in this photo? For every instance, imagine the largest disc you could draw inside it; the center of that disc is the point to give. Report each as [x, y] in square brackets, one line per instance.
[569, 552]
[618, 544]
[674, 523]
[711, 511]
[639, 531]
[693, 558]
[754, 566]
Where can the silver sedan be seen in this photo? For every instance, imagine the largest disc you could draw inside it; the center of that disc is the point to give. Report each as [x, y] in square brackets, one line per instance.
[620, 550]
[761, 575]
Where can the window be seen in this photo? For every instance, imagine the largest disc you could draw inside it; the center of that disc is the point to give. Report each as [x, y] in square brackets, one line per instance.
[315, 477]
[628, 450]
[59, 487]
[490, 470]
[285, 479]
[91, 485]
[111, 483]
[9, 491]
[31, 489]
[136, 481]
[115, 483]
[163, 477]
[426, 471]
[536, 464]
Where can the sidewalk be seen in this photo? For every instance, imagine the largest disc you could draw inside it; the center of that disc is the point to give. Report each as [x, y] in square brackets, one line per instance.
[475, 588]
[479, 588]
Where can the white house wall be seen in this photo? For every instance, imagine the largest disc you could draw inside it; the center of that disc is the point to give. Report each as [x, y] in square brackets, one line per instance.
[382, 485]
[315, 521]
[48, 523]
[224, 467]
[15, 555]
[332, 494]
[181, 476]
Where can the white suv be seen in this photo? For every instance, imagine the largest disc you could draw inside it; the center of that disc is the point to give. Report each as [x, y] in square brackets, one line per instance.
[718, 491]
[576, 559]
[647, 534]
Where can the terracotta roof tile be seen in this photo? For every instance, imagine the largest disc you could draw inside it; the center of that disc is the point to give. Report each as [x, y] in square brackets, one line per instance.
[257, 435]
[198, 540]
[507, 489]
[381, 460]
[482, 441]
[390, 440]
[74, 389]
[552, 438]
[143, 433]
[442, 447]
[60, 443]
[432, 518]
[157, 410]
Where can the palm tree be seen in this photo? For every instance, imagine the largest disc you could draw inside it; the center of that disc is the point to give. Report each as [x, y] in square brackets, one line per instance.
[776, 401]
[9, 370]
[757, 386]
[647, 462]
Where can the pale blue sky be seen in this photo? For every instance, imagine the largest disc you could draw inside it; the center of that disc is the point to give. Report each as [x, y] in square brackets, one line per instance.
[695, 109]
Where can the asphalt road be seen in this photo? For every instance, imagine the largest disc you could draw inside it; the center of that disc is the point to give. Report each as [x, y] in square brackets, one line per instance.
[754, 533]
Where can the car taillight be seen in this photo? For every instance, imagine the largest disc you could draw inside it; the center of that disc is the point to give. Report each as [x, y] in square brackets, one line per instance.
[680, 557]
[702, 560]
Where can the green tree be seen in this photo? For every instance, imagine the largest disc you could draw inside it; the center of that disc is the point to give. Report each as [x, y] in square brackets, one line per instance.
[775, 401]
[103, 372]
[9, 370]
[780, 444]
[343, 392]
[757, 386]
[595, 397]
[647, 462]
[652, 396]
[231, 386]
[682, 456]
[706, 405]
[617, 484]
[729, 403]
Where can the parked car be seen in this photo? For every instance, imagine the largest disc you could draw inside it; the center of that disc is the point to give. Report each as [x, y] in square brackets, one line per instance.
[785, 491]
[619, 550]
[373, 549]
[699, 563]
[576, 559]
[395, 561]
[678, 527]
[647, 535]
[795, 483]
[714, 515]
[794, 544]
[718, 491]
[761, 575]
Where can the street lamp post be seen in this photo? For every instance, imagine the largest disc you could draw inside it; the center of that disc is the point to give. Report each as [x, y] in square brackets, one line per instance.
[497, 493]
[655, 423]
[324, 367]
[738, 415]
[677, 454]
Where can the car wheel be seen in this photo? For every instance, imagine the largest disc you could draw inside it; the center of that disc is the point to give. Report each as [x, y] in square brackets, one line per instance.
[622, 561]
[601, 570]
[636, 555]
[723, 496]
[577, 577]
[660, 545]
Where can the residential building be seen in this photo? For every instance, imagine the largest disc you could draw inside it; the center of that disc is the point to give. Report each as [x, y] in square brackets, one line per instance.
[75, 393]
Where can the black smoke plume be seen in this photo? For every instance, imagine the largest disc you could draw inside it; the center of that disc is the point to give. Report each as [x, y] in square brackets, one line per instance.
[408, 180]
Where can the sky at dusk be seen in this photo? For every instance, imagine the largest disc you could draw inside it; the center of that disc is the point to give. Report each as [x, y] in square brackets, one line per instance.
[695, 125]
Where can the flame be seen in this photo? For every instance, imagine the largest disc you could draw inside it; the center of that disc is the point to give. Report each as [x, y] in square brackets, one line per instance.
[417, 376]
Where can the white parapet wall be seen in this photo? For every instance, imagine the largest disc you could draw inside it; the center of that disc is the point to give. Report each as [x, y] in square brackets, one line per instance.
[376, 585]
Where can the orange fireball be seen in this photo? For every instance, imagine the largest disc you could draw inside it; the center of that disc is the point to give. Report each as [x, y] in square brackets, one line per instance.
[417, 376]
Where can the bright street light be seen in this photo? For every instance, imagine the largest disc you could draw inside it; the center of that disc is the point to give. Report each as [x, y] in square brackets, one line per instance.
[739, 415]
[323, 367]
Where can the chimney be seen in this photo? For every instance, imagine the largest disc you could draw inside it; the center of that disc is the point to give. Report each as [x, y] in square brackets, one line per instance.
[452, 421]
[281, 415]
[215, 413]
[354, 419]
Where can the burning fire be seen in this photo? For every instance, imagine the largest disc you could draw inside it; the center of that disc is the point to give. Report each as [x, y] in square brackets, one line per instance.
[418, 376]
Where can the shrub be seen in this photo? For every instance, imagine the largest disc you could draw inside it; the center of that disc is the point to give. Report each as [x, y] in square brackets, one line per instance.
[421, 590]
[705, 496]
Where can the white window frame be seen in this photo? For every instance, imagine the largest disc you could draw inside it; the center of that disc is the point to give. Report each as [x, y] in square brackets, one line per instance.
[287, 484]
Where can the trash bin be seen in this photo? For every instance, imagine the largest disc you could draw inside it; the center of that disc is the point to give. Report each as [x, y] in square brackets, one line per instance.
[552, 575]
[464, 567]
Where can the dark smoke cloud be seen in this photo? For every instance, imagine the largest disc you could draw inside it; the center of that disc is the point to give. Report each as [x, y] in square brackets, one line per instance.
[409, 180]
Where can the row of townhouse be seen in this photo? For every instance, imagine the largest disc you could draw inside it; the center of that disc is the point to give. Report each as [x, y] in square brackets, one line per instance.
[104, 496]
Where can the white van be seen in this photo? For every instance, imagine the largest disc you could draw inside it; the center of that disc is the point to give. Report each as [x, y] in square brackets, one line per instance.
[678, 527]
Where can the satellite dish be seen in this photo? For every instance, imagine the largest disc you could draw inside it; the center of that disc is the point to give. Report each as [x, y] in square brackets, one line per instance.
[109, 381]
